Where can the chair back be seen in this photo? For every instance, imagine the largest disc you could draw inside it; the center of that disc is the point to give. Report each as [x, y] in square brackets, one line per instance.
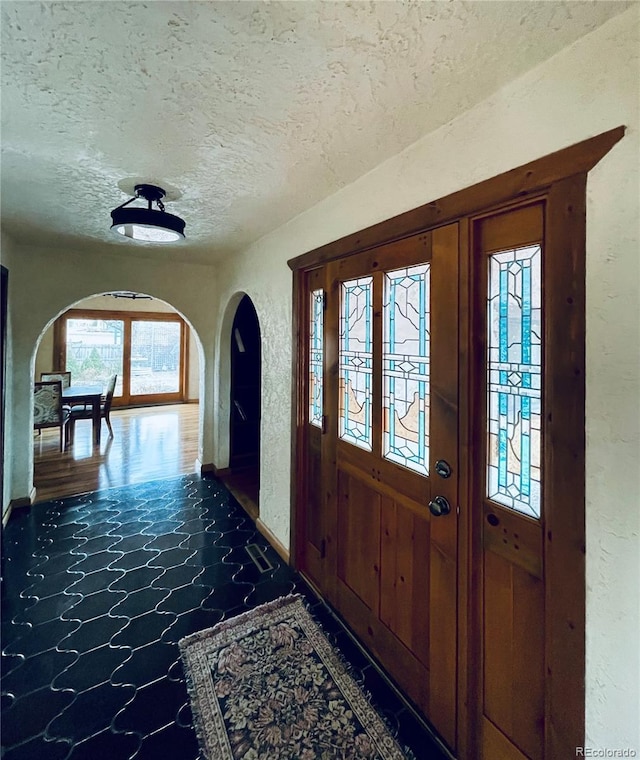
[47, 404]
[64, 377]
[108, 396]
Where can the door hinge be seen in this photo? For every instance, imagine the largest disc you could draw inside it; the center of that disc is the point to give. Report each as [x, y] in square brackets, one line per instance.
[324, 424]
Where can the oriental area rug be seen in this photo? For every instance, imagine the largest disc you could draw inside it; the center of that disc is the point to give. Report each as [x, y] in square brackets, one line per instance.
[268, 685]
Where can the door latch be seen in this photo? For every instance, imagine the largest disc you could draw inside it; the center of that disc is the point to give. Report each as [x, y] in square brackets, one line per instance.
[439, 506]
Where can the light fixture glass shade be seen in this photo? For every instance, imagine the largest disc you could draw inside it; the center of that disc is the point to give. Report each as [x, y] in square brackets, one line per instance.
[147, 225]
[146, 234]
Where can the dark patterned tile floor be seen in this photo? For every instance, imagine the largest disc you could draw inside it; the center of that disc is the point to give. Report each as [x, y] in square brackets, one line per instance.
[96, 592]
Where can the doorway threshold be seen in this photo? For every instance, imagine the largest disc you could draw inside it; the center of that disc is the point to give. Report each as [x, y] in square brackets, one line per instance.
[243, 483]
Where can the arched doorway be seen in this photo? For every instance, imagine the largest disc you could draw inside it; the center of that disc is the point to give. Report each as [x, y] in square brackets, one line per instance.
[156, 357]
[245, 406]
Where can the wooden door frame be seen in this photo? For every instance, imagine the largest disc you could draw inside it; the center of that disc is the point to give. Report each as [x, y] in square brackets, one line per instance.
[560, 178]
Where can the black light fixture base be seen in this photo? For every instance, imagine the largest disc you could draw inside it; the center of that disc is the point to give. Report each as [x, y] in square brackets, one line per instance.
[147, 225]
[151, 193]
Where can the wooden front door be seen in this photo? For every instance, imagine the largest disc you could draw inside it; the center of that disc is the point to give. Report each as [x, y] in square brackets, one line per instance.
[382, 531]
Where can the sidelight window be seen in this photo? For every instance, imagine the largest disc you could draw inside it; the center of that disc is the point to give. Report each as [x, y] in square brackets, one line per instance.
[514, 320]
[316, 354]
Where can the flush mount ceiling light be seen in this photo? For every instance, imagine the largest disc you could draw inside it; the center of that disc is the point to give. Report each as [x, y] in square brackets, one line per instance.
[128, 294]
[147, 225]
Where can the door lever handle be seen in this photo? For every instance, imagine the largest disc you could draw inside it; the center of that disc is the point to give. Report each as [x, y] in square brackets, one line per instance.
[439, 506]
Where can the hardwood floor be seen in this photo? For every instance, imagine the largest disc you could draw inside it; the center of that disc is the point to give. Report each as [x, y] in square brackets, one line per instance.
[148, 443]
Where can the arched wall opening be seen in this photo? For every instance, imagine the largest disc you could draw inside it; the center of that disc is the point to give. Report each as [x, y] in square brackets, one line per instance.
[246, 377]
[157, 423]
[239, 393]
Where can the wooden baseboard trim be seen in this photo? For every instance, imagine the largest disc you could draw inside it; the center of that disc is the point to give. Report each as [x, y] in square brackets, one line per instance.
[250, 508]
[23, 501]
[7, 515]
[205, 468]
[277, 545]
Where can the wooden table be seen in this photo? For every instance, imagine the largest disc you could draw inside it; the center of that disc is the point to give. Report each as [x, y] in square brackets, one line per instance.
[90, 395]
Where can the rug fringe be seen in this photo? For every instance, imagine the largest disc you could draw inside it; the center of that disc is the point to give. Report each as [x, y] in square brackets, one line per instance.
[198, 719]
[223, 625]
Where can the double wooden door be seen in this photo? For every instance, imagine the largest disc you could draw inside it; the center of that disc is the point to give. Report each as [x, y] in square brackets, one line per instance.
[422, 471]
[439, 485]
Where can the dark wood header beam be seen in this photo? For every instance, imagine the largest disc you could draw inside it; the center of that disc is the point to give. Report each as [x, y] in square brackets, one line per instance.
[529, 179]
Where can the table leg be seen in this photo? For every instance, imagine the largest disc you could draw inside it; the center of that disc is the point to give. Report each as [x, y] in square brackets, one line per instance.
[96, 423]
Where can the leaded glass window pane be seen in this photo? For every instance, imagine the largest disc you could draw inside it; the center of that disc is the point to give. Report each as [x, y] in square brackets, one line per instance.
[315, 357]
[356, 361]
[514, 319]
[405, 367]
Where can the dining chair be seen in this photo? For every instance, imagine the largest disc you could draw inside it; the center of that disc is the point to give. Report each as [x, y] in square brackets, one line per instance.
[82, 412]
[64, 377]
[48, 411]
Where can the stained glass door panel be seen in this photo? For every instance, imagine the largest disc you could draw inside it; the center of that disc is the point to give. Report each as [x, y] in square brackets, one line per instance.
[405, 367]
[312, 529]
[356, 362]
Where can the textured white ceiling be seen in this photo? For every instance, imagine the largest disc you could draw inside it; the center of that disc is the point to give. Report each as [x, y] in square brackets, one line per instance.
[251, 111]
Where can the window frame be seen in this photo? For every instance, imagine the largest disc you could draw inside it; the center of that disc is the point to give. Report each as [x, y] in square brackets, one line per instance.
[128, 318]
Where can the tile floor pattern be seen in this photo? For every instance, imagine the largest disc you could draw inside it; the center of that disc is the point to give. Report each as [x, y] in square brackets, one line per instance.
[96, 592]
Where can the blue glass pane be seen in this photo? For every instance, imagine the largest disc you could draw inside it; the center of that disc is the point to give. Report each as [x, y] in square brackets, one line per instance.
[514, 324]
[316, 356]
[405, 367]
[356, 361]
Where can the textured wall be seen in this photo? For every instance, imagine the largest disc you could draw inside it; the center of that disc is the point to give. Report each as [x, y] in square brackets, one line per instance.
[34, 304]
[269, 287]
[584, 90]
